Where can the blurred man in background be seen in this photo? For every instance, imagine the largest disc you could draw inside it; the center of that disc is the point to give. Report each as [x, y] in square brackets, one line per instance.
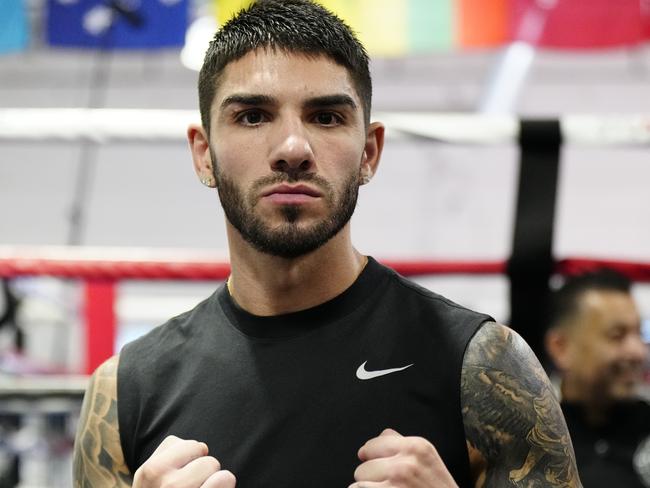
[595, 342]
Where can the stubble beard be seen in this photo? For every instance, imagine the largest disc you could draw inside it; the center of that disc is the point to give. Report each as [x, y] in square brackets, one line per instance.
[288, 240]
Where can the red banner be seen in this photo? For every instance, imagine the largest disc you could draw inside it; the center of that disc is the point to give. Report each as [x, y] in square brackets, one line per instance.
[581, 24]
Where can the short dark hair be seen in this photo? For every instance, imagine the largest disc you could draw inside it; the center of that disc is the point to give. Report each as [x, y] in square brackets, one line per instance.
[565, 301]
[297, 26]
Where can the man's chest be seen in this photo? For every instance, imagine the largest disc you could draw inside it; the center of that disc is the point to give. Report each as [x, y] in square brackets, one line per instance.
[272, 414]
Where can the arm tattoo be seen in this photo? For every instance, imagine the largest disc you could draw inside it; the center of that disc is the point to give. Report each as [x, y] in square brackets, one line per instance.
[511, 415]
[98, 461]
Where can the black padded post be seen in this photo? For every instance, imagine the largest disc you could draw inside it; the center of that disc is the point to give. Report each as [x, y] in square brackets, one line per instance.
[531, 262]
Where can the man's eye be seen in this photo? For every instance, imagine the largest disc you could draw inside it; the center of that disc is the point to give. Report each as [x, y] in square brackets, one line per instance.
[252, 117]
[616, 335]
[328, 118]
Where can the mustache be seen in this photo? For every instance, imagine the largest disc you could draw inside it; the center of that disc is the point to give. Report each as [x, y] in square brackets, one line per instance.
[628, 366]
[292, 177]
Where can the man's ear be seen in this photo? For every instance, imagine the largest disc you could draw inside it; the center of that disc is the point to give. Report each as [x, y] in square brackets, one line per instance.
[200, 148]
[557, 344]
[371, 152]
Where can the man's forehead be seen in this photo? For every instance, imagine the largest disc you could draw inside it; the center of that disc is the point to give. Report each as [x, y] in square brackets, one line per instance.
[606, 298]
[277, 73]
[612, 306]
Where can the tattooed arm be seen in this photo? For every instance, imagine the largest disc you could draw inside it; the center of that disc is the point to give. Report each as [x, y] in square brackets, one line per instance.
[98, 459]
[515, 430]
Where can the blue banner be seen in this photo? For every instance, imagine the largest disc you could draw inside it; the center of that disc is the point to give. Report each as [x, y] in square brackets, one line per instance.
[13, 26]
[117, 24]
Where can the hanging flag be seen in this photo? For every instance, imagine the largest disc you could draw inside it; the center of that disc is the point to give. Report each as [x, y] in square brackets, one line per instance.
[482, 23]
[226, 9]
[393, 28]
[13, 26]
[402, 27]
[582, 24]
[430, 25]
[121, 24]
[645, 18]
[348, 10]
[383, 27]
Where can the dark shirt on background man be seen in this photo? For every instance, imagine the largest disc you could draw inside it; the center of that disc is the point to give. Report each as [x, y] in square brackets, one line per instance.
[616, 453]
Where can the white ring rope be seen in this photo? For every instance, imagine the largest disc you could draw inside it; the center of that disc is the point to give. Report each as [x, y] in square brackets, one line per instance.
[111, 125]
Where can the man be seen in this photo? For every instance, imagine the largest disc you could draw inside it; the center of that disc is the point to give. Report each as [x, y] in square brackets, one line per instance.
[314, 366]
[595, 342]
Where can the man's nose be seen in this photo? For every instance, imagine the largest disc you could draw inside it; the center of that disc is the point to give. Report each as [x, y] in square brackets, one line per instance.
[636, 349]
[292, 149]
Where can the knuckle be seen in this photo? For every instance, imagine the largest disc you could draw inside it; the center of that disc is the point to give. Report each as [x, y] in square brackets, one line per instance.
[403, 472]
[172, 483]
[172, 480]
[421, 448]
[222, 479]
[148, 472]
[212, 463]
[197, 445]
[229, 478]
[168, 483]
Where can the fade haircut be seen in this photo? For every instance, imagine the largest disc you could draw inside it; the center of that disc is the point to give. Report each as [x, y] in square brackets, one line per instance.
[565, 302]
[293, 26]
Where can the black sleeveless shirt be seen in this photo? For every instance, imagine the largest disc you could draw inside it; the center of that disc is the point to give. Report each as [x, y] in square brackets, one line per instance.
[287, 401]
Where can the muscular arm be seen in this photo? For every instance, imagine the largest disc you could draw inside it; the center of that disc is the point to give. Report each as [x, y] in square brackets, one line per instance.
[515, 430]
[98, 460]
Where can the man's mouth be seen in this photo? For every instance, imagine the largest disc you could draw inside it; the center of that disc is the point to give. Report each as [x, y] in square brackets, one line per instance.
[291, 194]
[629, 372]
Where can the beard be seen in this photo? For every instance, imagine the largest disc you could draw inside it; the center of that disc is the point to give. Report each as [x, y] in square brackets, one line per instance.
[289, 239]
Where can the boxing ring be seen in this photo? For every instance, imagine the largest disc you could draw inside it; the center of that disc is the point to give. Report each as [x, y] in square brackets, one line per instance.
[101, 270]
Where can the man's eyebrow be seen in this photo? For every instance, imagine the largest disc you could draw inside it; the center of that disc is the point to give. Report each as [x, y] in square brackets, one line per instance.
[331, 101]
[247, 99]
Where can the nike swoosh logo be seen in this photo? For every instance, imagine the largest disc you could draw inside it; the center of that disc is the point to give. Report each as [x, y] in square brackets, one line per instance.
[363, 374]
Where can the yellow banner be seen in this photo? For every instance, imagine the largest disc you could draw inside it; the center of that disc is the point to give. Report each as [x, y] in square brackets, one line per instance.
[348, 10]
[224, 10]
[381, 25]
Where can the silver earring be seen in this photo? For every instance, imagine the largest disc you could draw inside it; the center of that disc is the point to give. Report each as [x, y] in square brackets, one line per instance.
[365, 179]
[206, 181]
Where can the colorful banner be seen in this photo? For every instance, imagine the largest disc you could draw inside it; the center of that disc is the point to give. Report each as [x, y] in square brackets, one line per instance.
[224, 10]
[430, 28]
[482, 23]
[403, 27]
[586, 24]
[13, 26]
[119, 24]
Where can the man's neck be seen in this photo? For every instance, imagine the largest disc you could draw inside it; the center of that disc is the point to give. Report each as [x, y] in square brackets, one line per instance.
[268, 285]
[595, 408]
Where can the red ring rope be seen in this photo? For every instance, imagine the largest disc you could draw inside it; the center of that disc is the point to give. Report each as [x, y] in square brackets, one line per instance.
[219, 270]
[101, 275]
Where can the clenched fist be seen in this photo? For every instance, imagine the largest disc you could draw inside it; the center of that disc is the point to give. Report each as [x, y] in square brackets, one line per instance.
[394, 461]
[182, 464]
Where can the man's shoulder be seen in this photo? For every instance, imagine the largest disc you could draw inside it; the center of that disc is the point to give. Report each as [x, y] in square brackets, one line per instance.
[408, 291]
[166, 337]
[512, 419]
